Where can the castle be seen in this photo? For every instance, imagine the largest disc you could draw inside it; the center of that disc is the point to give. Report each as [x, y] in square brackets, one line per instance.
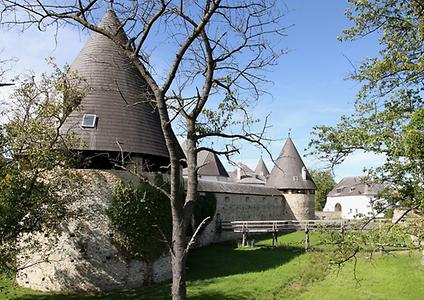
[118, 120]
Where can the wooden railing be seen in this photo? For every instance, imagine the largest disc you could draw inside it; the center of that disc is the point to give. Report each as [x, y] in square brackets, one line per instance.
[277, 226]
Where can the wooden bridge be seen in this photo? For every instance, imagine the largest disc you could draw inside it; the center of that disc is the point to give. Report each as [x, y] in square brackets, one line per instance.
[278, 226]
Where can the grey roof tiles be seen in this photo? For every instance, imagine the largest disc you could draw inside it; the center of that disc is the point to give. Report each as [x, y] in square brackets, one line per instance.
[123, 103]
[354, 186]
[261, 168]
[210, 165]
[236, 188]
[287, 171]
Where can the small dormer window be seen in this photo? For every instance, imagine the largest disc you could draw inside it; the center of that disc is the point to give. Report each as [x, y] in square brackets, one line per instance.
[339, 190]
[89, 121]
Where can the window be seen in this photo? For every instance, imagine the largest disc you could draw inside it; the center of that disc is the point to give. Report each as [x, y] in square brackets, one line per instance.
[352, 188]
[89, 121]
[295, 178]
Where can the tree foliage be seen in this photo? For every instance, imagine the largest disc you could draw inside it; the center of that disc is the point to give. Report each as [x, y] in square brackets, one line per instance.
[324, 181]
[35, 190]
[141, 217]
[388, 117]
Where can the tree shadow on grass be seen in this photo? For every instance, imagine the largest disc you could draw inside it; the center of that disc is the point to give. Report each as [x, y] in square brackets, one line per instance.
[206, 263]
[226, 259]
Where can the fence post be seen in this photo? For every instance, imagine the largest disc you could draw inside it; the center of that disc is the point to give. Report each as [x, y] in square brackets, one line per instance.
[306, 237]
[244, 237]
[274, 235]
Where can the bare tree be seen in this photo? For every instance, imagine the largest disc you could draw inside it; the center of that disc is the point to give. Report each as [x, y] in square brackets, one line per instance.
[219, 55]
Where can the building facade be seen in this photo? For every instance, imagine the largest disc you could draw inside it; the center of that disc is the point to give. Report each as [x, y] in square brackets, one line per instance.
[353, 198]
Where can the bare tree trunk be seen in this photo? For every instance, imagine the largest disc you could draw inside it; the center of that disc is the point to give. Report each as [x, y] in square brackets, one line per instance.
[180, 223]
[178, 261]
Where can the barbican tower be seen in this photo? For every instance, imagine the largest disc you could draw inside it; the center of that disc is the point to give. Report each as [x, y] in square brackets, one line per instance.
[290, 176]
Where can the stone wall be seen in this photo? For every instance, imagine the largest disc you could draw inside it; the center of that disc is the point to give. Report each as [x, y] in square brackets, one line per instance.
[243, 207]
[302, 206]
[84, 257]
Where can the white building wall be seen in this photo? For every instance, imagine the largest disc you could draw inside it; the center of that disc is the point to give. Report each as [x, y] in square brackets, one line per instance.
[351, 205]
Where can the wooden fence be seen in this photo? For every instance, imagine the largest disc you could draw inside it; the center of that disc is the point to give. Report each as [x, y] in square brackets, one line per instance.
[275, 227]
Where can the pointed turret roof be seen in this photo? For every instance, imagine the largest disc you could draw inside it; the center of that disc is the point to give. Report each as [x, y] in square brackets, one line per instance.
[210, 165]
[287, 171]
[127, 118]
[261, 168]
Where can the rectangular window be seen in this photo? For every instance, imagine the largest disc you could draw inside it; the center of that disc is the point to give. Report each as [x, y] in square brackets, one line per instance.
[89, 121]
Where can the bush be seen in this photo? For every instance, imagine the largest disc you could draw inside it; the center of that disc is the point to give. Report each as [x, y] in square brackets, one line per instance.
[141, 216]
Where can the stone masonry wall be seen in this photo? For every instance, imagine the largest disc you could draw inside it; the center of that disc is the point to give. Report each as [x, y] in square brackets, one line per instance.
[243, 207]
[84, 257]
[302, 206]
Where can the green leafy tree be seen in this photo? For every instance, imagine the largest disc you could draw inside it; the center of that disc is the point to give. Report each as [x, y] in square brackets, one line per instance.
[141, 217]
[389, 110]
[388, 117]
[324, 181]
[34, 186]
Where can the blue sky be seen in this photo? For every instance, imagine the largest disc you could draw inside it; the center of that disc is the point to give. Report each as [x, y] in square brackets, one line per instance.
[309, 86]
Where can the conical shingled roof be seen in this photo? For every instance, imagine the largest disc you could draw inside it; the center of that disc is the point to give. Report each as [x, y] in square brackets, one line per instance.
[126, 117]
[261, 168]
[210, 165]
[287, 171]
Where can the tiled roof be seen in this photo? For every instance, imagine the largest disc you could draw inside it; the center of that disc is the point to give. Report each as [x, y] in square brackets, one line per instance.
[354, 186]
[122, 101]
[287, 171]
[210, 165]
[236, 188]
[261, 168]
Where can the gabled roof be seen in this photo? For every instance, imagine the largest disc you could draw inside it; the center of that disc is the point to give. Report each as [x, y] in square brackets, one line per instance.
[127, 118]
[261, 168]
[355, 186]
[210, 165]
[287, 171]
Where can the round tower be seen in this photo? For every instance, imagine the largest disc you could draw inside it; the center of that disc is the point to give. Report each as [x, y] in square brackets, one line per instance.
[290, 176]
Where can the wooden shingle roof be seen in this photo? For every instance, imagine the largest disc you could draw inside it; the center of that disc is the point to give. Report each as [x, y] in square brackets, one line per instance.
[261, 168]
[210, 165]
[287, 171]
[127, 119]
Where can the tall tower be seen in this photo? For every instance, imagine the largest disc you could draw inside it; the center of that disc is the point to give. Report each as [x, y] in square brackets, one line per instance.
[118, 117]
[290, 176]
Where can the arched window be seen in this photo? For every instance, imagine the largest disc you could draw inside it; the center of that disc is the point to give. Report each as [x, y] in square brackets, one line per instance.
[338, 207]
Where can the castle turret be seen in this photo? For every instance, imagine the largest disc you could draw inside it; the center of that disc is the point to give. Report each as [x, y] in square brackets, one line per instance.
[118, 116]
[210, 167]
[291, 177]
[261, 168]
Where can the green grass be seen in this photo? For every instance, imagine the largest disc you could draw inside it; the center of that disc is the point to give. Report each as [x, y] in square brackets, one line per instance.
[225, 271]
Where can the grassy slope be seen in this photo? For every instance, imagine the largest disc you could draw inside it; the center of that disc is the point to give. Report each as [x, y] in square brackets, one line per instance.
[227, 272]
